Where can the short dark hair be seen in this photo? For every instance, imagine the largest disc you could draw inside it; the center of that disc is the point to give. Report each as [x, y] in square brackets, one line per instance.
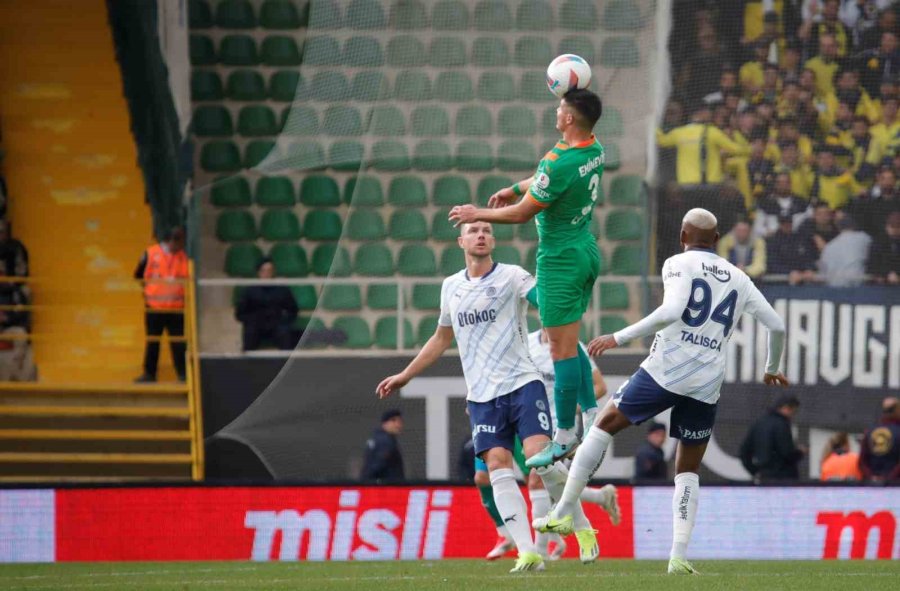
[789, 400]
[392, 413]
[587, 104]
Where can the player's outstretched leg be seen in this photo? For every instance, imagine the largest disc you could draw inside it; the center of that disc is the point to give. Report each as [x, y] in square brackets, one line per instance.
[586, 398]
[540, 506]
[554, 478]
[607, 497]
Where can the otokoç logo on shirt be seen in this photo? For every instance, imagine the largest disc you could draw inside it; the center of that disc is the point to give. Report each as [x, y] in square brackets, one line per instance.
[476, 317]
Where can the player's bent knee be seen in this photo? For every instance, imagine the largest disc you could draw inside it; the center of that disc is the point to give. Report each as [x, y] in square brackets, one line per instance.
[498, 458]
[612, 420]
[532, 445]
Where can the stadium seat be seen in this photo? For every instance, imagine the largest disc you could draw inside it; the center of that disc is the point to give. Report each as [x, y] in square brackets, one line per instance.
[489, 185]
[363, 52]
[311, 325]
[275, 191]
[496, 87]
[242, 260]
[375, 259]
[622, 15]
[329, 86]
[578, 15]
[307, 155]
[238, 50]
[432, 155]
[426, 296]
[517, 122]
[321, 50]
[535, 15]
[530, 263]
[206, 86]
[407, 191]
[212, 121]
[428, 121]
[533, 87]
[342, 120]
[408, 225]
[257, 120]
[451, 190]
[220, 156]
[450, 15]
[412, 85]
[356, 330]
[613, 159]
[627, 260]
[624, 224]
[579, 45]
[279, 225]
[474, 155]
[299, 120]
[442, 229]
[286, 86]
[390, 156]
[280, 50]
[548, 122]
[365, 225]
[426, 328]
[365, 14]
[453, 87]
[324, 14]
[386, 333]
[382, 297]
[257, 151]
[330, 259]
[614, 296]
[453, 259]
[231, 191]
[516, 155]
[346, 155]
[627, 189]
[416, 260]
[369, 86]
[289, 260]
[490, 52]
[620, 52]
[503, 232]
[201, 51]
[305, 296]
[408, 15]
[235, 14]
[283, 14]
[474, 120]
[245, 85]
[528, 232]
[507, 254]
[318, 190]
[341, 297]
[406, 51]
[493, 15]
[611, 324]
[447, 52]
[385, 120]
[199, 15]
[235, 225]
[610, 124]
[363, 191]
[533, 52]
[322, 225]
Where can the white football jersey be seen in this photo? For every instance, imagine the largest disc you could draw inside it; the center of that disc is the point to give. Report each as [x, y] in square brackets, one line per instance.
[487, 315]
[705, 295]
[540, 354]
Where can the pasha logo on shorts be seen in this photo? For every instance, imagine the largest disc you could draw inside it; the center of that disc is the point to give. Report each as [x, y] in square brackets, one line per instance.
[542, 181]
[690, 434]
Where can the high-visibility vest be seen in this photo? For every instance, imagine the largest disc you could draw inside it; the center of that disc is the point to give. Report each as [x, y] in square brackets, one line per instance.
[164, 278]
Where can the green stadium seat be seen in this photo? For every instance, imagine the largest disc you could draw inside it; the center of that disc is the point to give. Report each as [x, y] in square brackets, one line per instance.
[431, 120]
[493, 15]
[416, 260]
[220, 156]
[341, 297]
[452, 260]
[280, 50]
[330, 259]
[365, 14]
[201, 51]
[530, 263]
[323, 225]
[242, 260]
[412, 85]
[426, 328]
[451, 190]
[490, 52]
[579, 45]
[206, 86]
[279, 225]
[275, 191]
[235, 14]
[407, 191]
[534, 87]
[548, 122]
[363, 52]
[365, 225]
[257, 120]
[611, 324]
[287, 86]
[321, 50]
[627, 260]
[442, 229]
[305, 156]
[516, 122]
[319, 191]
[406, 51]
[533, 52]
[613, 158]
[369, 86]
[622, 15]
[408, 225]
[474, 120]
[516, 155]
[289, 260]
[535, 15]
[305, 296]
[390, 156]
[238, 50]
[382, 297]
[342, 120]
[474, 155]
[299, 120]
[624, 224]
[324, 14]
[578, 15]
[489, 185]
[282, 14]
[233, 191]
[408, 15]
[627, 189]
[329, 86]
[620, 52]
[426, 296]
[346, 155]
[311, 325]
[507, 254]
[432, 155]
[503, 232]
[199, 15]
[386, 333]
[528, 232]
[453, 87]
[211, 121]
[610, 124]
[257, 151]
[235, 226]
[374, 259]
[356, 330]
[245, 85]
[363, 191]
[385, 120]
[496, 87]
[614, 296]
[447, 52]
[450, 15]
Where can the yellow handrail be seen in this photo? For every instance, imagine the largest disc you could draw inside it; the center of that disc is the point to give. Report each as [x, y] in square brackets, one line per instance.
[193, 377]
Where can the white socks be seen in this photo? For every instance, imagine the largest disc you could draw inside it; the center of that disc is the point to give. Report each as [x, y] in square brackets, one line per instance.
[555, 478]
[684, 511]
[540, 506]
[587, 460]
[565, 436]
[512, 508]
[597, 496]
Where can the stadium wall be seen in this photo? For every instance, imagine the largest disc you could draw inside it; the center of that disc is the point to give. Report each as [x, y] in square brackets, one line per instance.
[423, 522]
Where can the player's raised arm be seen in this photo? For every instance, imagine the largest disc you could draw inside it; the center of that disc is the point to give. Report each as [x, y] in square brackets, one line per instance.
[439, 342]
[762, 310]
[509, 195]
[519, 213]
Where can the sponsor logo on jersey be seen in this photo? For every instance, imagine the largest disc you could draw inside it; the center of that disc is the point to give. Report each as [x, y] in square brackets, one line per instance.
[542, 181]
[490, 292]
[476, 317]
[595, 162]
[721, 275]
[699, 340]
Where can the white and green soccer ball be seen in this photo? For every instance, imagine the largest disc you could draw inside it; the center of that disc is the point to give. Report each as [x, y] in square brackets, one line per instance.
[566, 72]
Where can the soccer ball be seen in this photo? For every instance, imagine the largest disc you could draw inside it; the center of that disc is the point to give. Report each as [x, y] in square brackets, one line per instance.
[566, 72]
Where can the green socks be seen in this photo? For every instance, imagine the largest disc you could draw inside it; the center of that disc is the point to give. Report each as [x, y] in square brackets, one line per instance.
[566, 391]
[586, 398]
[487, 501]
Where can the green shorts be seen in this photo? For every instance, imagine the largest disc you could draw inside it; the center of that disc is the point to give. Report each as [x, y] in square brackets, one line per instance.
[565, 282]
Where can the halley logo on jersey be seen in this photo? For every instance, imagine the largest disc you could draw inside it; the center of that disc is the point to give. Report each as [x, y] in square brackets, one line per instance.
[476, 317]
[721, 275]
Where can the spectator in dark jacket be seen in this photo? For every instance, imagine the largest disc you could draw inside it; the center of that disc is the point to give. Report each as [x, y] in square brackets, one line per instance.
[13, 253]
[383, 460]
[879, 454]
[267, 312]
[787, 253]
[884, 264]
[649, 461]
[768, 451]
[16, 358]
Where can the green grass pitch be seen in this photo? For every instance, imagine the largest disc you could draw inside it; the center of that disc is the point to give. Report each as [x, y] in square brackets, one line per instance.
[447, 575]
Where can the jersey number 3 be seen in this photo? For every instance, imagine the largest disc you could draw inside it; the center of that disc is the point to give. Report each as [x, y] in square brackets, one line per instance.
[698, 309]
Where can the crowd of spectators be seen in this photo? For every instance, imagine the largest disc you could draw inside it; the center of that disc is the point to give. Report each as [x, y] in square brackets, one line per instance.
[16, 357]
